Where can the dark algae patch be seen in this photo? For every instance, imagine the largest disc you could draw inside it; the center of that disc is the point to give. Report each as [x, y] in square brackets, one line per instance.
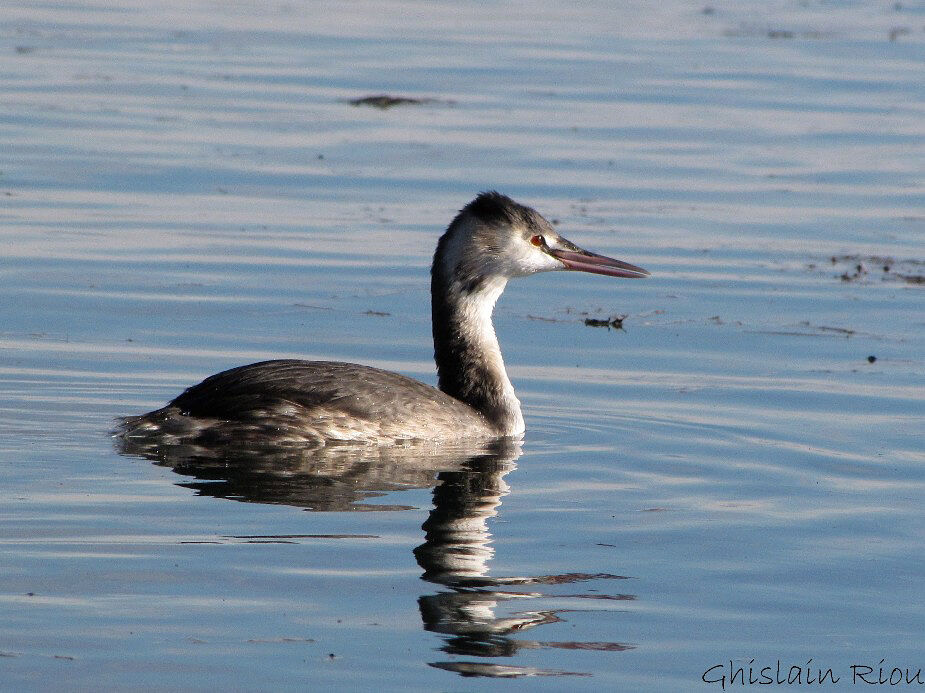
[615, 322]
[385, 101]
[861, 268]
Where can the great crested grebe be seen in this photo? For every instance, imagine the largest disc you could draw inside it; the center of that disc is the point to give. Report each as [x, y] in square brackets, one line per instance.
[491, 240]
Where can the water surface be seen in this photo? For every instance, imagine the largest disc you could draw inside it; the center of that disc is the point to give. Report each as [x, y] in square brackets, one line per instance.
[735, 475]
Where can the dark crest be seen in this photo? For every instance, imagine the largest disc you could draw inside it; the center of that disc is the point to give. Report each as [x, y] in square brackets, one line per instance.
[494, 208]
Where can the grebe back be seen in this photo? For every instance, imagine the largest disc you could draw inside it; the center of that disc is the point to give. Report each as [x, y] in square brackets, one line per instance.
[491, 240]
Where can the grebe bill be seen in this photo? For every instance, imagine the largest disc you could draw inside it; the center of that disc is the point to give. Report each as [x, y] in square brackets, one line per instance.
[491, 240]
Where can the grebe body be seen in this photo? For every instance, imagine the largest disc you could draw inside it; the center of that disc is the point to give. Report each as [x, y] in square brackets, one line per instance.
[491, 240]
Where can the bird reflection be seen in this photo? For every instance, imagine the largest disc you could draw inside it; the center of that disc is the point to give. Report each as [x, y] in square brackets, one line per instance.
[476, 614]
[480, 614]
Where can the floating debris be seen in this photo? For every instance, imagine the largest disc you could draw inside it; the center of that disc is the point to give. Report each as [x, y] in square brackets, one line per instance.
[283, 639]
[807, 329]
[862, 267]
[615, 322]
[384, 101]
[825, 328]
[544, 319]
[859, 272]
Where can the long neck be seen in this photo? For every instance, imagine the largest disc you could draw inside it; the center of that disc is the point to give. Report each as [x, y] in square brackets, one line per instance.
[469, 363]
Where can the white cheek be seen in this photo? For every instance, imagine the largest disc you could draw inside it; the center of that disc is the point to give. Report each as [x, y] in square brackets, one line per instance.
[532, 260]
[547, 263]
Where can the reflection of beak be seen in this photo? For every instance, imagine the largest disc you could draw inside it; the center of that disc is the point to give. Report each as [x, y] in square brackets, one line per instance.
[580, 260]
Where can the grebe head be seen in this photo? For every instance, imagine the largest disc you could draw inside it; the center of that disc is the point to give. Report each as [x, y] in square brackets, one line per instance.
[491, 240]
[494, 239]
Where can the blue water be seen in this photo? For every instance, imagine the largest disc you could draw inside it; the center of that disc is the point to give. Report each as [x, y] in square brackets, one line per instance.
[727, 481]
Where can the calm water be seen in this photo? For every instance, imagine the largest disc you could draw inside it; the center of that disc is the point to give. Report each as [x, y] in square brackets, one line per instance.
[729, 480]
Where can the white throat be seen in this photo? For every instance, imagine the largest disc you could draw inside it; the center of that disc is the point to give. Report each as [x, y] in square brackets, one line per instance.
[478, 330]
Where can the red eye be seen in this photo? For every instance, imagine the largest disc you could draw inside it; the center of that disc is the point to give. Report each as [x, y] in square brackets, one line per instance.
[538, 241]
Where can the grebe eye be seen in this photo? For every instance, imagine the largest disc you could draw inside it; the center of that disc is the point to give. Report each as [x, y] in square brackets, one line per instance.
[538, 241]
